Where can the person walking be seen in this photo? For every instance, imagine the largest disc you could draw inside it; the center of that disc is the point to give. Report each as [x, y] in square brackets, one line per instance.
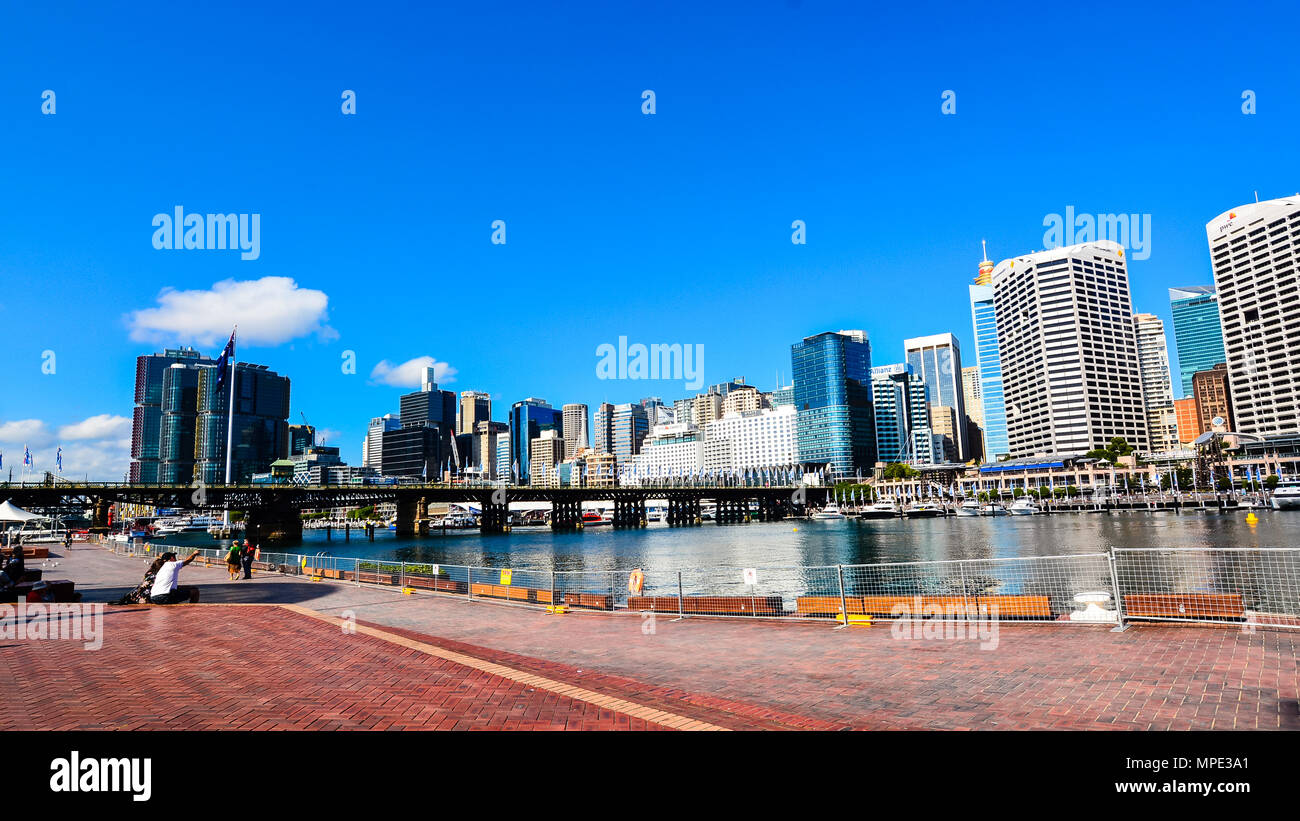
[247, 560]
[232, 561]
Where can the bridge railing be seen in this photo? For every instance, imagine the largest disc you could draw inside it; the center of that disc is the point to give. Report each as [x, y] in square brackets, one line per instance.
[1247, 586]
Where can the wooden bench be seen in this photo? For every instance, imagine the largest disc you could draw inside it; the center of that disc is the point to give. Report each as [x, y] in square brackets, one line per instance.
[511, 593]
[1185, 606]
[710, 605]
[439, 583]
[60, 590]
[36, 551]
[1015, 607]
[591, 601]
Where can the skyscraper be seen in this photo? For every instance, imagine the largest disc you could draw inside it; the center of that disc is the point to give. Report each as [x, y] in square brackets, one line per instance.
[374, 453]
[832, 393]
[180, 392]
[475, 407]
[630, 426]
[1253, 251]
[1068, 351]
[575, 429]
[937, 360]
[603, 441]
[1213, 397]
[1157, 393]
[901, 415]
[527, 421]
[987, 358]
[261, 423]
[1198, 334]
[301, 437]
[146, 423]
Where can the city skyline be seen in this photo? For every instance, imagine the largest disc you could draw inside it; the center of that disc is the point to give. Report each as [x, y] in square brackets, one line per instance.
[358, 217]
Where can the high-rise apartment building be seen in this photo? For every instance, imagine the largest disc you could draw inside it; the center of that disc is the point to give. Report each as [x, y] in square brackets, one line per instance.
[575, 429]
[741, 399]
[972, 394]
[486, 434]
[752, 440]
[832, 393]
[545, 453]
[1198, 334]
[475, 407]
[1068, 351]
[1189, 420]
[937, 360]
[180, 419]
[1253, 252]
[1157, 392]
[147, 417]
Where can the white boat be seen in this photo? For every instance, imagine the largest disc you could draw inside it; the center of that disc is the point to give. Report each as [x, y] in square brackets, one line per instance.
[882, 509]
[993, 509]
[969, 508]
[831, 511]
[922, 510]
[1023, 507]
[1286, 496]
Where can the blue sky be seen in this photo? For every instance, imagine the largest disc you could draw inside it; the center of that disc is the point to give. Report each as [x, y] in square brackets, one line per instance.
[672, 228]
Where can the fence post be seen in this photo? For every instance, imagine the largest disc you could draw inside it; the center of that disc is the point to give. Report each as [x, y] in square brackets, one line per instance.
[401, 575]
[965, 593]
[469, 582]
[1120, 626]
[553, 601]
[681, 604]
[844, 606]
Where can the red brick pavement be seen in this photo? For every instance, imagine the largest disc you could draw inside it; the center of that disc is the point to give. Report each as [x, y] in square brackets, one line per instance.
[264, 668]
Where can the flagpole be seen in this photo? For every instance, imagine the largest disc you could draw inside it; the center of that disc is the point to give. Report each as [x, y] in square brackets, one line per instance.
[230, 430]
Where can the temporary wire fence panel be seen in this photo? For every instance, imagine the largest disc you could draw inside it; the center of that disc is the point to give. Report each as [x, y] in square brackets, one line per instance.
[1216, 585]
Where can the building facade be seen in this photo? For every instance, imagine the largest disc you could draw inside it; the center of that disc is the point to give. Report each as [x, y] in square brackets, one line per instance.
[756, 439]
[832, 391]
[575, 428]
[475, 407]
[1213, 398]
[1157, 392]
[902, 415]
[261, 426]
[147, 416]
[629, 429]
[936, 359]
[528, 420]
[988, 360]
[1068, 351]
[1253, 252]
[1198, 333]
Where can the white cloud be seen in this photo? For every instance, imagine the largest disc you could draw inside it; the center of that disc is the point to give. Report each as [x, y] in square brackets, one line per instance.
[102, 426]
[98, 447]
[269, 311]
[22, 432]
[409, 373]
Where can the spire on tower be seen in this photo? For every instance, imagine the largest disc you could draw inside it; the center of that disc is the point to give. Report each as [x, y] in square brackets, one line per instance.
[986, 266]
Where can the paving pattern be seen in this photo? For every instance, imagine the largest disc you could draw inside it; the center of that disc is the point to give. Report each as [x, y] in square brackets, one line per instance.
[438, 661]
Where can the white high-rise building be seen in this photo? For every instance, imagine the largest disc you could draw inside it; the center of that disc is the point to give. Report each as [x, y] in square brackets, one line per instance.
[575, 429]
[1253, 252]
[1157, 391]
[1068, 351]
[670, 451]
[373, 457]
[752, 439]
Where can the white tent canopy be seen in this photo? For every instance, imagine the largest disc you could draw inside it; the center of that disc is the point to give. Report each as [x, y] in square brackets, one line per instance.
[10, 512]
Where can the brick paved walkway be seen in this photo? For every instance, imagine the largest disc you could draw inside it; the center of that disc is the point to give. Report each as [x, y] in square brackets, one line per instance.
[724, 673]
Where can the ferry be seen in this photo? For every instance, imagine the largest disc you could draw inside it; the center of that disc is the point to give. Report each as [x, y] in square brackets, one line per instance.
[1286, 496]
[174, 527]
[882, 509]
[593, 518]
[831, 511]
[1023, 507]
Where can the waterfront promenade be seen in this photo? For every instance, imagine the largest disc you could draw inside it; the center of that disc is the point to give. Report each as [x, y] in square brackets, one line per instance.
[270, 654]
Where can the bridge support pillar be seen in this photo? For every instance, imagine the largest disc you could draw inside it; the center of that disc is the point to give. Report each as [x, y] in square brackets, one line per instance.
[566, 514]
[100, 522]
[495, 518]
[273, 524]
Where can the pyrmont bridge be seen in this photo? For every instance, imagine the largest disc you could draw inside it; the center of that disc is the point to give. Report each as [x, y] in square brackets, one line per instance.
[274, 512]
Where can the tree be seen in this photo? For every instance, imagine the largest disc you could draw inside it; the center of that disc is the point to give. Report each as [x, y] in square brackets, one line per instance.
[1018, 492]
[1271, 480]
[898, 470]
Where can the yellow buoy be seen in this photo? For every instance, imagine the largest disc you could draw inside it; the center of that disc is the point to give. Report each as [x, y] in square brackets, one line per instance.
[1251, 518]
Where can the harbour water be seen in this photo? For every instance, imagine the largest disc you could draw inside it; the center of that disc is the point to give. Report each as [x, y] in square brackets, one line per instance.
[808, 543]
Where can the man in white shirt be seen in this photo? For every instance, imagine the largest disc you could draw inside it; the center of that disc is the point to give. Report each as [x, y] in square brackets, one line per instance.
[165, 588]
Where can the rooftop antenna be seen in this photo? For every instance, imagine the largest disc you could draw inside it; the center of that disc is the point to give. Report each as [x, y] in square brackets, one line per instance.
[1257, 196]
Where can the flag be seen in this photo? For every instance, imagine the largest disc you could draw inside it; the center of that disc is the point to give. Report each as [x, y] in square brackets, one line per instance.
[27, 456]
[58, 458]
[227, 353]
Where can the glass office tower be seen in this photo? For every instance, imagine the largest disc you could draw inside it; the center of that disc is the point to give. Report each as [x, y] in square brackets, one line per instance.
[1198, 332]
[835, 426]
[990, 367]
[527, 421]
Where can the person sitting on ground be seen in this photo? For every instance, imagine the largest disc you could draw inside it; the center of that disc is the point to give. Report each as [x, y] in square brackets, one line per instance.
[140, 595]
[165, 588]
